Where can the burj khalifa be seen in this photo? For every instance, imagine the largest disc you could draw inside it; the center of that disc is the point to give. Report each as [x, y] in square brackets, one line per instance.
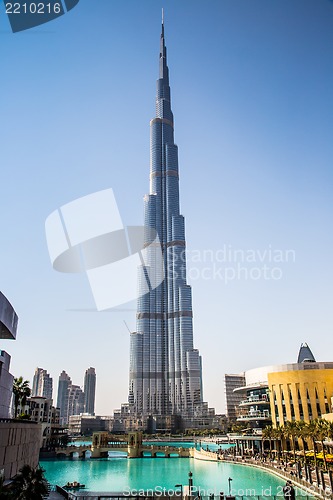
[165, 368]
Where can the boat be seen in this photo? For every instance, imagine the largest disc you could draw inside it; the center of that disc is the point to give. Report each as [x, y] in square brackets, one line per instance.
[74, 486]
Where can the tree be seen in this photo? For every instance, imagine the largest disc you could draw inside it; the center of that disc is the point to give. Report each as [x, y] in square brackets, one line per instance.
[279, 436]
[322, 432]
[290, 429]
[268, 433]
[21, 392]
[312, 429]
[30, 484]
[303, 434]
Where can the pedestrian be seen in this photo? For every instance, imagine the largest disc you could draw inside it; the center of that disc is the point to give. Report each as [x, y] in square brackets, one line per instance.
[289, 491]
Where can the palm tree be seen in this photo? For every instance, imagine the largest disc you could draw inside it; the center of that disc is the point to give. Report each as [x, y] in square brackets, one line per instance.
[21, 392]
[30, 484]
[279, 435]
[267, 434]
[329, 430]
[290, 430]
[322, 433]
[312, 430]
[302, 434]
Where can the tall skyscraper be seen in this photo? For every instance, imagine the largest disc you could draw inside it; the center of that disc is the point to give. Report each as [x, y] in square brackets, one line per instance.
[64, 384]
[42, 384]
[89, 391]
[165, 369]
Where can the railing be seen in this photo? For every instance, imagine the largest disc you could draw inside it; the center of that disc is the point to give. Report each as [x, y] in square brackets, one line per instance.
[176, 496]
[254, 399]
[17, 421]
[316, 489]
[255, 414]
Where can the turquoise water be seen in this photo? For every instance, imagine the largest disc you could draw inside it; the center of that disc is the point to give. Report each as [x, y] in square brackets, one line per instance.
[122, 474]
[119, 474]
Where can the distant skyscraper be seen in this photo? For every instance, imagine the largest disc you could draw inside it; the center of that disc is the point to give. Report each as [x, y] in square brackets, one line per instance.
[42, 384]
[233, 399]
[64, 384]
[75, 400]
[165, 369]
[89, 391]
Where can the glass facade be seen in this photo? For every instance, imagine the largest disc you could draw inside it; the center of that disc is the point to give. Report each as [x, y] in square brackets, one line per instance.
[165, 369]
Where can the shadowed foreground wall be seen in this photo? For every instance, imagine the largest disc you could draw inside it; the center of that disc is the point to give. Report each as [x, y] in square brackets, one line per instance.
[19, 445]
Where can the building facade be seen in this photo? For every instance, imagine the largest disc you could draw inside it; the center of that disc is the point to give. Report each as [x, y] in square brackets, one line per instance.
[233, 399]
[75, 400]
[42, 384]
[85, 424]
[291, 392]
[8, 329]
[165, 368]
[72, 400]
[64, 384]
[301, 391]
[89, 391]
[19, 440]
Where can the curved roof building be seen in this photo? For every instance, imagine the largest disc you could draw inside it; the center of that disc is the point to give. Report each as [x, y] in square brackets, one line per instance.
[8, 319]
[8, 328]
[280, 393]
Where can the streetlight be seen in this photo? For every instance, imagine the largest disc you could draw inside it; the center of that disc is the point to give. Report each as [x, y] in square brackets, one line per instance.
[190, 483]
[229, 483]
[181, 489]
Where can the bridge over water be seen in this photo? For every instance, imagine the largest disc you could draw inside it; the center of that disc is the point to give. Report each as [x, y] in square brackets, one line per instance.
[132, 445]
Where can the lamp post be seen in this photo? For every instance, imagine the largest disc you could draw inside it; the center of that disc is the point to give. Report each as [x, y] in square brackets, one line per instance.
[229, 483]
[181, 489]
[190, 483]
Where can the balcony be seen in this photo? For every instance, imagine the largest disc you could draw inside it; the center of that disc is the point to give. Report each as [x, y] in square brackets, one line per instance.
[254, 415]
[263, 399]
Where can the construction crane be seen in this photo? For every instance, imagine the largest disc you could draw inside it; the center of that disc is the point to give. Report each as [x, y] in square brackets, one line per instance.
[129, 331]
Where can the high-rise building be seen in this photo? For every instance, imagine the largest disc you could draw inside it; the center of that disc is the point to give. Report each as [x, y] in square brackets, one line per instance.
[75, 400]
[233, 399]
[64, 384]
[89, 391]
[42, 384]
[165, 368]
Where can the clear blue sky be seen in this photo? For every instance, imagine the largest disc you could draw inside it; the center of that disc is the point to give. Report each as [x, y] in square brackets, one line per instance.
[252, 97]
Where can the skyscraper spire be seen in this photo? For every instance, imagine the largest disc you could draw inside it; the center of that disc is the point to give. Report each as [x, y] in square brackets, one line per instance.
[165, 369]
[164, 73]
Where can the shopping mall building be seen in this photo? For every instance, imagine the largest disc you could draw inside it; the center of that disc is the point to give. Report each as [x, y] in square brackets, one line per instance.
[280, 393]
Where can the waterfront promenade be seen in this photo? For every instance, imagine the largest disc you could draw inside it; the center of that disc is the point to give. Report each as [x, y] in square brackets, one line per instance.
[320, 485]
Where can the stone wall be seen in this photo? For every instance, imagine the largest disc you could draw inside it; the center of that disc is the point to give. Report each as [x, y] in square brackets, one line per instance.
[19, 445]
